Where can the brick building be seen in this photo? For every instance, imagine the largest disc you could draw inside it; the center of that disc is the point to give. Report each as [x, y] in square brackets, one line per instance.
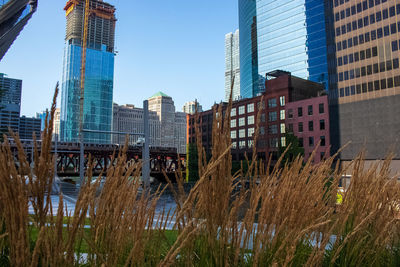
[282, 89]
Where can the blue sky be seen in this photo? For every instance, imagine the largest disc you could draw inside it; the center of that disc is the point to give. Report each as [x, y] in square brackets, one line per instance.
[174, 46]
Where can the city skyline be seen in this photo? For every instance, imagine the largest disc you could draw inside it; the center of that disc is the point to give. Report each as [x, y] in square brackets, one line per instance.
[191, 47]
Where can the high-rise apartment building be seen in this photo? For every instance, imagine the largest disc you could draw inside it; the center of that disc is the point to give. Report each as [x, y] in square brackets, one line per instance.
[249, 77]
[232, 65]
[10, 103]
[173, 124]
[129, 119]
[368, 93]
[296, 36]
[190, 107]
[99, 75]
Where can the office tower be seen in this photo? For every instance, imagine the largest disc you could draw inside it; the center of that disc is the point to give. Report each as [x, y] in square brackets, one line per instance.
[296, 36]
[190, 107]
[56, 121]
[367, 43]
[14, 15]
[10, 103]
[173, 130]
[129, 119]
[99, 75]
[232, 65]
[249, 82]
[28, 127]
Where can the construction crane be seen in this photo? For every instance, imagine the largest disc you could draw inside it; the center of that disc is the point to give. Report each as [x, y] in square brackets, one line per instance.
[82, 95]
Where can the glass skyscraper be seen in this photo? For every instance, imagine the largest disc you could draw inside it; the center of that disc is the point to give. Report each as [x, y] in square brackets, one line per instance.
[249, 79]
[232, 65]
[99, 75]
[294, 36]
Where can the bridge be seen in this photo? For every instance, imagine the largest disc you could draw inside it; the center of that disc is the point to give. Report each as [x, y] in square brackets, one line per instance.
[68, 157]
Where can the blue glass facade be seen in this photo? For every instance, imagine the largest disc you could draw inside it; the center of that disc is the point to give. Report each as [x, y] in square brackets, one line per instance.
[293, 35]
[249, 82]
[98, 96]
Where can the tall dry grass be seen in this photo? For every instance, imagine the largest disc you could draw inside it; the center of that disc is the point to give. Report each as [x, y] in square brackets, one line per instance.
[281, 217]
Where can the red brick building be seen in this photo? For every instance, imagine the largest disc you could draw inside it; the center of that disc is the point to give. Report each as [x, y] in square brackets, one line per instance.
[281, 89]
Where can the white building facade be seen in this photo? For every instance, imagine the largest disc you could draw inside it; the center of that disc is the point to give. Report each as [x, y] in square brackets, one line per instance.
[167, 127]
[190, 107]
[232, 65]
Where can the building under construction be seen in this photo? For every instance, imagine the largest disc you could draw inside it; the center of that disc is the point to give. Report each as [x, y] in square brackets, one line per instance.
[98, 66]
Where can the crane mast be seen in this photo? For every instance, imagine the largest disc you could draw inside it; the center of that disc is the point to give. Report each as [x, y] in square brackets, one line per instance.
[82, 86]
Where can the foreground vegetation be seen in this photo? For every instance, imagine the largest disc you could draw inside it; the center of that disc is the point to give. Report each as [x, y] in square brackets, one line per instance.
[286, 217]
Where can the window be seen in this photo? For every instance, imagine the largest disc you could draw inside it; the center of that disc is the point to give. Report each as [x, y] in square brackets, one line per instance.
[350, 42]
[354, 25]
[300, 126]
[372, 19]
[272, 102]
[374, 51]
[342, 14]
[241, 122]
[261, 105]
[373, 35]
[233, 123]
[369, 69]
[233, 112]
[379, 33]
[290, 127]
[378, 16]
[340, 61]
[383, 84]
[360, 23]
[250, 108]
[377, 85]
[301, 142]
[344, 44]
[389, 65]
[282, 101]
[300, 112]
[366, 21]
[351, 58]
[393, 28]
[395, 46]
[322, 124]
[242, 144]
[250, 120]
[366, 36]
[283, 141]
[262, 130]
[310, 110]
[390, 82]
[311, 126]
[290, 113]
[250, 132]
[376, 68]
[242, 133]
[370, 86]
[392, 11]
[283, 128]
[368, 53]
[355, 41]
[233, 134]
[382, 66]
[310, 141]
[356, 56]
[395, 63]
[362, 55]
[321, 108]
[322, 138]
[273, 142]
[263, 117]
[282, 114]
[241, 110]
[272, 116]
[250, 143]
[234, 145]
[385, 14]
[273, 129]
[361, 38]
[397, 81]
[386, 30]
